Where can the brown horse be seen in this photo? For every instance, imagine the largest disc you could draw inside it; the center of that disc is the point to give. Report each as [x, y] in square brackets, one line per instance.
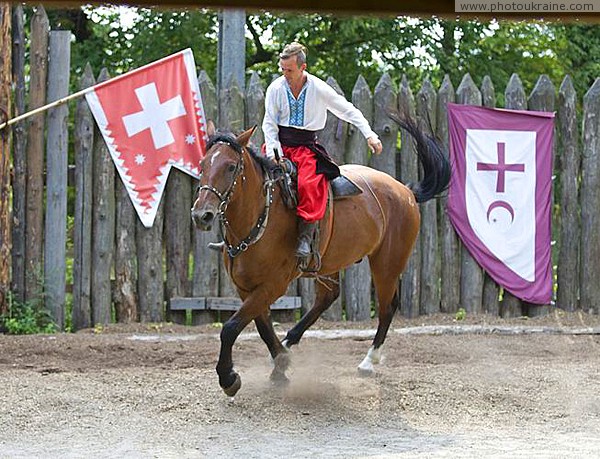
[260, 235]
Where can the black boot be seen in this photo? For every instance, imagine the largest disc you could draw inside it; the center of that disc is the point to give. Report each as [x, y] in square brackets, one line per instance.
[306, 233]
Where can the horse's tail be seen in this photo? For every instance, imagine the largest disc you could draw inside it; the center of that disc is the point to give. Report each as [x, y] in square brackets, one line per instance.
[435, 164]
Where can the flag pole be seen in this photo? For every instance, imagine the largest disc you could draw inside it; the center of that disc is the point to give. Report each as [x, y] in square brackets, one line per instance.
[35, 111]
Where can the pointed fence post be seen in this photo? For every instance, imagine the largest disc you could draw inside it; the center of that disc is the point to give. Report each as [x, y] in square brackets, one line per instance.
[5, 201]
[410, 283]
[333, 137]
[19, 184]
[231, 118]
[34, 229]
[357, 278]
[450, 249]
[55, 241]
[255, 109]
[82, 226]
[206, 262]
[385, 97]
[514, 95]
[590, 201]
[178, 234]
[471, 276]
[567, 295]
[491, 290]
[103, 225]
[543, 98]
[151, 290]
[428, 233]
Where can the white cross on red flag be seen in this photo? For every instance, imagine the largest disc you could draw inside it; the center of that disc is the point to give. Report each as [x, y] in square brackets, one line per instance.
[152, 119]
[500, 194]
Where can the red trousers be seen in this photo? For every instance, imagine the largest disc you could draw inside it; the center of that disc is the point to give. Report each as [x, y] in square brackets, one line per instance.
[312, 187]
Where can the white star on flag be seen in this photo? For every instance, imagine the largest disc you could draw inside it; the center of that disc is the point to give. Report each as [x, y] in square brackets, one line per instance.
[152, 119]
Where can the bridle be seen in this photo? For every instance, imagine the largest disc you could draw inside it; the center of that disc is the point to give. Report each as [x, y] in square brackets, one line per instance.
[225, 197]
[258, 229]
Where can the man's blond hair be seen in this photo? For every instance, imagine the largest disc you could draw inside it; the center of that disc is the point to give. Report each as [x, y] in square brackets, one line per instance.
[294, 49]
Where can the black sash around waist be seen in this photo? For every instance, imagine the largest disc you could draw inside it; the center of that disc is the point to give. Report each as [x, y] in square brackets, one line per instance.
[293, 137]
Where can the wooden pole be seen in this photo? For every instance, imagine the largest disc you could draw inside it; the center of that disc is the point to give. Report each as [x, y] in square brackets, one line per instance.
[55, 242]
[5, 90]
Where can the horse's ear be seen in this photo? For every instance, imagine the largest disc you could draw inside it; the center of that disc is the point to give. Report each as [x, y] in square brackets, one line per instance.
[210, 128]
[244, 137]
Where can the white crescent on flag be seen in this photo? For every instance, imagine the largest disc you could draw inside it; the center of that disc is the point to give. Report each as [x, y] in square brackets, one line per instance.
[500, 194]
[152, 119]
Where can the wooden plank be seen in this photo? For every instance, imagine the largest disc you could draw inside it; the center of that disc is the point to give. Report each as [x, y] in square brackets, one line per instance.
[542, 98]
[19, 183]
[471, 277]
[449, 243]
[55, 241]
[410, 284]
[183, 304]
[34, 229]
[178, 198]
[514, 96]
[103, 226]
[285, 303]
[356, 281]
[82, 227]
[428, 233]
[567, 295]
[491, 290]
[234, 303]
[5, 194]
[590, 201]
[206, 262]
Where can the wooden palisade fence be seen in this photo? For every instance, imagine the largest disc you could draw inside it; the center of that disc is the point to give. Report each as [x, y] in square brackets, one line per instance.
[125, 272]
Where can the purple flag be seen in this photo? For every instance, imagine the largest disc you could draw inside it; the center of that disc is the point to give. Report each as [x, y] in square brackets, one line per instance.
[500, 194]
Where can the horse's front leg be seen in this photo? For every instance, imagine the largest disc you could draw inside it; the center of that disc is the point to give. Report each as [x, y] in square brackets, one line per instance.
[327, 292]
[253, 306]
[279, 354]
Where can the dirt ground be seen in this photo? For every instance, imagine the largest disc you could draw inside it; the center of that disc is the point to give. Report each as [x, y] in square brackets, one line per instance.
[150, 391]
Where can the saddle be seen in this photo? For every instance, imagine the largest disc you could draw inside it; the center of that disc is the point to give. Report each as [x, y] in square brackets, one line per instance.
[286, 174]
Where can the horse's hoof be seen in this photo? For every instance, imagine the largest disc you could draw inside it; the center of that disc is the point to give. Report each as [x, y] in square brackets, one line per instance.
[279, 379]
[366, 371]
[232, 390]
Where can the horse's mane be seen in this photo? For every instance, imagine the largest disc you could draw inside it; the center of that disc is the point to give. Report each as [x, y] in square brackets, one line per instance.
[265, 163]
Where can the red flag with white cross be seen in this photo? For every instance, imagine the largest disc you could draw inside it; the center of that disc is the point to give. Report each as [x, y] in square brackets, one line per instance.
[152, 119]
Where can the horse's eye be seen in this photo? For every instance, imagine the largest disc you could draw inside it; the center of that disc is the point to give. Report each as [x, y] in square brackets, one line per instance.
[231, 167]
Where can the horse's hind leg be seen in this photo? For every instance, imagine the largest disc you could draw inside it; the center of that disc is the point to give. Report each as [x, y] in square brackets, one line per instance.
[385, 278]
[279, 354]
[325, 295]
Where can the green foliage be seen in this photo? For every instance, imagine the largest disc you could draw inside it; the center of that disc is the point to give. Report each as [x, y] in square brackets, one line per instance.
[461, 314]
[27, 318]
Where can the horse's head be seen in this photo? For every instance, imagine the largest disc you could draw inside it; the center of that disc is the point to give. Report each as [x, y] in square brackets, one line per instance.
[221, 168]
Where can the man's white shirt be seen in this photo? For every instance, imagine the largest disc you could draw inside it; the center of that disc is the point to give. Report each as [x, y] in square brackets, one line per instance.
[318, 98]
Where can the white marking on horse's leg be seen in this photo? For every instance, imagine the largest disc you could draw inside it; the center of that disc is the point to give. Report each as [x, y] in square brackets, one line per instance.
[373, 357]
[285, 343]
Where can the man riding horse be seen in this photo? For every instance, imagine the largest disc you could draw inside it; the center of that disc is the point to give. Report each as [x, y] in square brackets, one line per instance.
[296, 107]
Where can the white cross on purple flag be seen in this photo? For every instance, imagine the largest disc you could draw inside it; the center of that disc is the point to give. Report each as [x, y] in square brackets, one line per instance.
[500, 194]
